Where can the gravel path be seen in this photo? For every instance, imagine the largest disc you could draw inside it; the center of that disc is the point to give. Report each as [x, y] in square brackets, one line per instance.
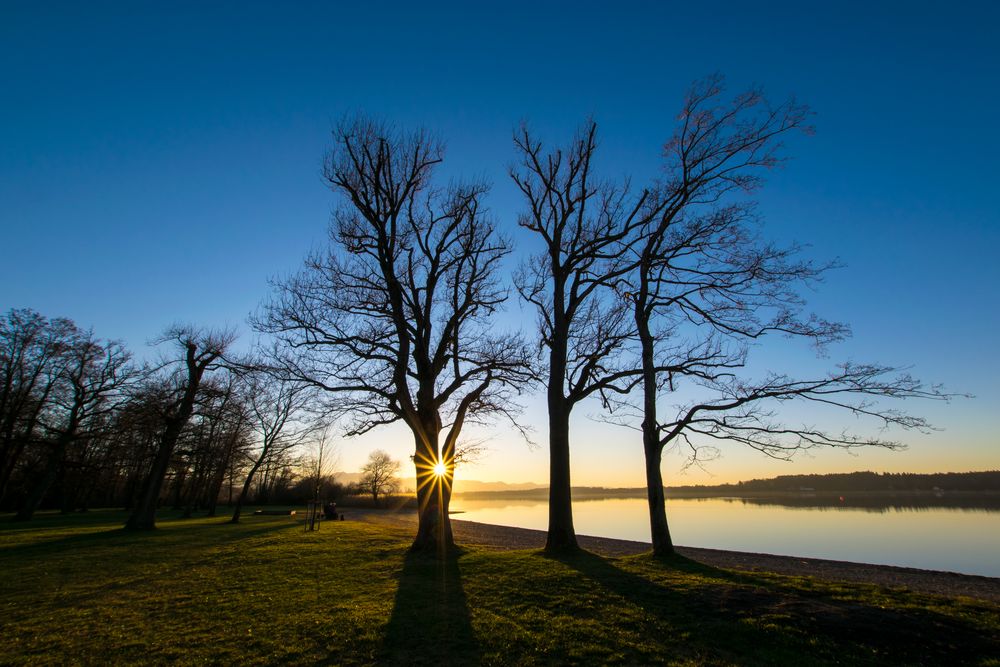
[923, 581]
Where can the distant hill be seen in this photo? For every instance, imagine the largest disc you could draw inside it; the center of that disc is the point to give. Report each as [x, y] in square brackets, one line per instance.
[476, 486]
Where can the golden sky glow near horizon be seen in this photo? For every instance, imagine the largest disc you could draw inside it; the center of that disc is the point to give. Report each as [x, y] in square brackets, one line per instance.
[611, 456]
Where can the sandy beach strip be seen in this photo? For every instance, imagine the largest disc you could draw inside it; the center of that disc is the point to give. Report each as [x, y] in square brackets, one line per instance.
[948, 584]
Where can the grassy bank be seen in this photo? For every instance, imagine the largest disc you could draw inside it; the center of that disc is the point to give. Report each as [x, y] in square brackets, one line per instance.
[78, 589]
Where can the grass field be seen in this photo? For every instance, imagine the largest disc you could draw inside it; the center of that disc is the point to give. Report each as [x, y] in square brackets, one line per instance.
[77, 589]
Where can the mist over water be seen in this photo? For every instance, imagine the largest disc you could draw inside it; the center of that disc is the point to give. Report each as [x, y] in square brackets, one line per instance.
[951, 539]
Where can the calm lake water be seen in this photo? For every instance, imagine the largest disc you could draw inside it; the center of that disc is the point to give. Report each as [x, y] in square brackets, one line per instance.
[957, 540]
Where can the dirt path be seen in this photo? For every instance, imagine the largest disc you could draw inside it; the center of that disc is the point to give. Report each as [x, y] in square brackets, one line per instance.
[924, 581]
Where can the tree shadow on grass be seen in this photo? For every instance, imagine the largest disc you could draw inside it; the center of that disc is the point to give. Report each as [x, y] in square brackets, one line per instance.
[75, 570]
[430, 622]
[114, 536]
[737, 615]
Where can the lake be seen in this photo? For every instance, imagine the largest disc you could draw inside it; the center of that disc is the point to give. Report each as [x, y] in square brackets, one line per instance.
[956, 540]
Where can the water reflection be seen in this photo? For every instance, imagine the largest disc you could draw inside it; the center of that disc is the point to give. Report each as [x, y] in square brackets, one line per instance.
[936, 538]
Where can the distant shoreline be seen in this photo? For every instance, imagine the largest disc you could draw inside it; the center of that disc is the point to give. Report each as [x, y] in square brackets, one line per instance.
[640, 492]
[984, 500]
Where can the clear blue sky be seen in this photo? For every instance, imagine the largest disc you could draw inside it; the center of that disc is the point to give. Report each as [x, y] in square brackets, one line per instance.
[159, 162]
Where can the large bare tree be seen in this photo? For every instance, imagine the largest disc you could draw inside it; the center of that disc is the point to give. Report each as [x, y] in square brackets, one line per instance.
[705, 286]
[647, 288]
[581, 225]
[394, 319]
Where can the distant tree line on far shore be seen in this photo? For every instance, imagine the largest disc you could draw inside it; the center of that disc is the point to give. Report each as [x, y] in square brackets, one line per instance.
[987, 480]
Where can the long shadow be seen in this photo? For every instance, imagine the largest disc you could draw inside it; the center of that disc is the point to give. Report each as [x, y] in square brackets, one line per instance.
[430, 622]
[729, 599]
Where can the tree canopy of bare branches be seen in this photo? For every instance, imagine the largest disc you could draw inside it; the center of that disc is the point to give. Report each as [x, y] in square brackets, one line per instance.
[378, 475]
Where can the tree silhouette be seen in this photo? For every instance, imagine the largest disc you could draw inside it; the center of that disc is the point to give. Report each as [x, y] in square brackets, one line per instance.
[201, 350]
[275, 409]
[378, 475]
[705, 286]
[393, 320]
[582, 225]
[32, 358]
[95, 376]
[646, 289]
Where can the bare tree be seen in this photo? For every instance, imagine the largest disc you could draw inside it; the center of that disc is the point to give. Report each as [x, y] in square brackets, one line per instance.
[32, 356]
[96, 376]
[201, 350]
[219, 415]
[321, 464]
[378, 475]
[276, 408]
[394, 320]
[705, 285]
[582, 224]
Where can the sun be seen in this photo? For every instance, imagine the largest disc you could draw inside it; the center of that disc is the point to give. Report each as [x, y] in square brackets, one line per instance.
[439, 469]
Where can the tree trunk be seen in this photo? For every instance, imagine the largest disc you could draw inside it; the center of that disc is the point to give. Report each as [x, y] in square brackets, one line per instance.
[8, 461]
[561, 534]
[658, 528]
[434, 534]
[246, 486]
[7, 467]
[143, 516]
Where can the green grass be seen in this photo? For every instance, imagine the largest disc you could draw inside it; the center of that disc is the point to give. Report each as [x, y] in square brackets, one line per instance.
[77, 589]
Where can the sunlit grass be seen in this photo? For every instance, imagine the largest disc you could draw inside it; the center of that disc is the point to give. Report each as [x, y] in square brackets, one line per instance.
[79, 589]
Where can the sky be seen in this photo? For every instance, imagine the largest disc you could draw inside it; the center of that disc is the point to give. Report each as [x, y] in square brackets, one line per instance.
[160, 162]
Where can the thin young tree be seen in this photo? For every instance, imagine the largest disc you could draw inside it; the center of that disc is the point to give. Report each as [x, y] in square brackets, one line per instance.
[705, 286]
[276, 408]
[202, 350]
[394, 320]
[320, 465]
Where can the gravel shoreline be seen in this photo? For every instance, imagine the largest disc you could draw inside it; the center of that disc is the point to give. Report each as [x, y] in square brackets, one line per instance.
[949, 584]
